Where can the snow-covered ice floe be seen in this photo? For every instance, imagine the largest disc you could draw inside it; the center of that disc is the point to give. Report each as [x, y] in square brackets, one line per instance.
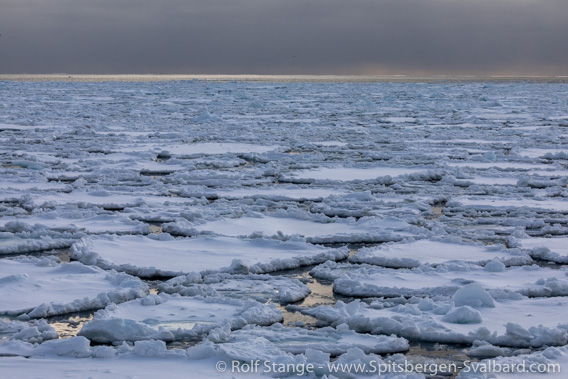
[174, 317]
[33, 331]
[23, 242]
[334, 341]
[40, 287]
[208, 148]
[350, 174]
[434, 252]
[548, 249]
[263, 288]
[328, 230]
[471, 314]
[508, 203]
[280, 193]
[167, 256]
[368, 281]
[73, 221]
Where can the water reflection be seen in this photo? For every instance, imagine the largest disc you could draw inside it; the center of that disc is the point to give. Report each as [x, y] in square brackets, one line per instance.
[69, 325]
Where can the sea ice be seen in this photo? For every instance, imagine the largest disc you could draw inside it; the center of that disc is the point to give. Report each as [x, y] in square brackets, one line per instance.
[434, 252]
[249, 177]
[514, 321]
[446, 279]
[549, 249]
[174, 317]
[41, 287]
[137, 254]
[334, 341]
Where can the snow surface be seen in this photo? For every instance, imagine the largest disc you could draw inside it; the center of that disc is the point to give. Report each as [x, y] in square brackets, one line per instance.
[174, 317]
[29, 241]
[550, 249]
[263, 288]
[276, 194]
[89, 222]
[43, 287]
[414, 254]
[349, 174]
[516, 321]
[328, 340]
[344, 230]
[446, 279]
[485, 203]
[137, 254]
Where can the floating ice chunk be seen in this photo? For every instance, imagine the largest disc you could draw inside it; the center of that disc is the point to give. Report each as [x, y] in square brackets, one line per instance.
[539, 152]
[43, 287]
[175, 318]
[35, 331]
[262, 288]
[349, 174]
[550, 249]
[206, 148]
[4, 126]
[333, 231]
[499, 165]
[463, 315]
[482, 349]
[205, 116]
[118, 329]
[512, 322]
[368, 281]
[328, 340]
[280, 193]
[27, 242]
[79, 221]
[490, 202]
[414, 254]
[107, 200]
[489, 180]
[494, 266]
[137, 254]
[29, 185]
[329, 143]
[473, 295]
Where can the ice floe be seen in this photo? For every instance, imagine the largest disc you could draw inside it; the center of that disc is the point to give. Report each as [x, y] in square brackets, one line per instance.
[32, 241]
[471, 315]
[334, 341]
[434, 252]
[328, 230]
[174, 317]
[137, 254]
[263, 288]
[73, 221]
[549, 249]
[40, 287]
[350, 174]
[446, 279]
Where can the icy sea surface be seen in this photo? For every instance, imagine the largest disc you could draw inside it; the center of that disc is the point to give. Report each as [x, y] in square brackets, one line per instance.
[256, 229]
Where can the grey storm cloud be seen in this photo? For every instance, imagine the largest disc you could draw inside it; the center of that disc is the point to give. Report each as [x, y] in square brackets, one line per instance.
[283, 36]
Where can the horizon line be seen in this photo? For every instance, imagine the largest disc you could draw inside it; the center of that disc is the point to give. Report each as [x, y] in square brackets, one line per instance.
[316, 78]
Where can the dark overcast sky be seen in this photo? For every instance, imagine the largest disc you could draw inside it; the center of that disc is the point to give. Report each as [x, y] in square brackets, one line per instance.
[284, 36]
